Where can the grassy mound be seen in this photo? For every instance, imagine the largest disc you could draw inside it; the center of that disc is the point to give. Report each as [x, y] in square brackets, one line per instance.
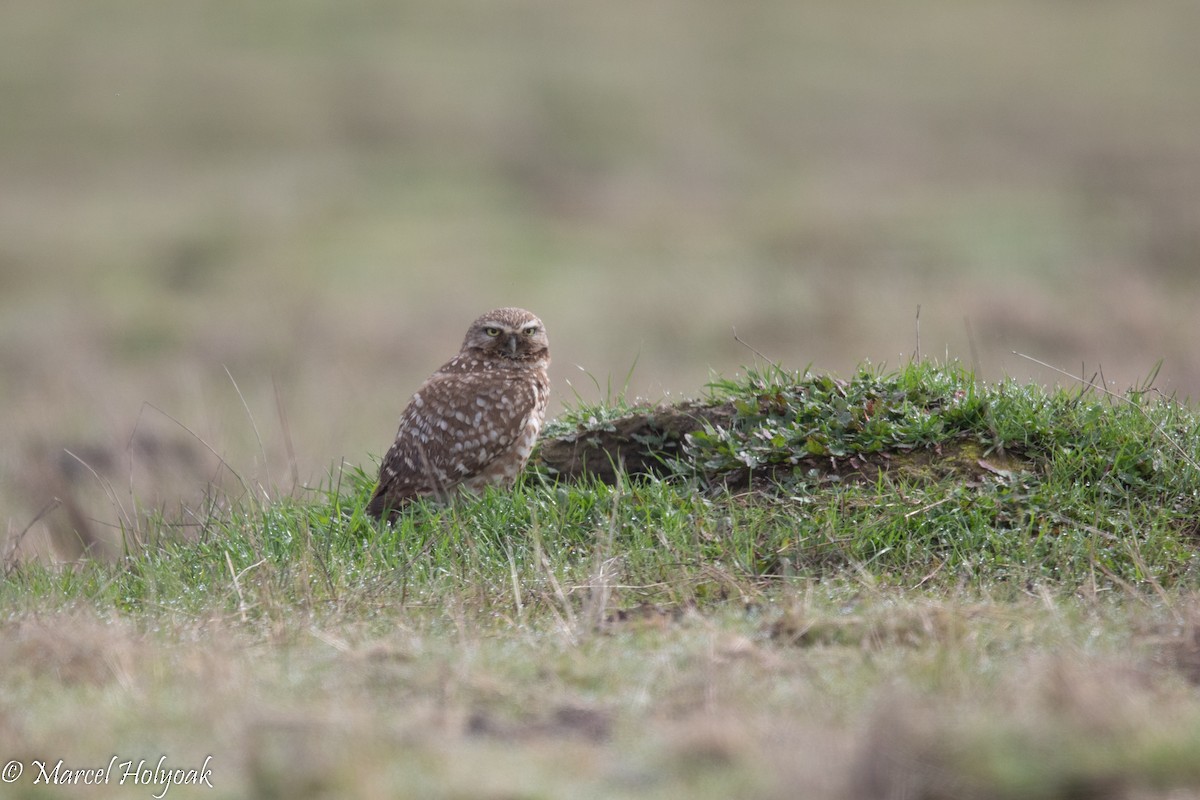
[922, 467]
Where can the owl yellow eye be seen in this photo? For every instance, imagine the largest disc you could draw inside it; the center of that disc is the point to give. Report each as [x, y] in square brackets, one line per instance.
[492, 331]
[530, 331]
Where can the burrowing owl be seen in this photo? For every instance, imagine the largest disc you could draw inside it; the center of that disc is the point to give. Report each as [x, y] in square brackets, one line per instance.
[474, 422]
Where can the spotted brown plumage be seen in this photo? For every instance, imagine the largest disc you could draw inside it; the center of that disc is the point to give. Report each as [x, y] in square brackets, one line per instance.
[474, 422]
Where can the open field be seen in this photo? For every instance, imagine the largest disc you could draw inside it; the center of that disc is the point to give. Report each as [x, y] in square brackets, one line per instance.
[892, 693]
[234, 237]
[320, 198]
[992, 597]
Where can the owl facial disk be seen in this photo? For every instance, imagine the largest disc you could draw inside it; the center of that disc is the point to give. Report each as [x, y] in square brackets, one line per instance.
[510, 333]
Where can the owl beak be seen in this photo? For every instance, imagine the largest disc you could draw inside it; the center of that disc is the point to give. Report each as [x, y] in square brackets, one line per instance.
[512, 345]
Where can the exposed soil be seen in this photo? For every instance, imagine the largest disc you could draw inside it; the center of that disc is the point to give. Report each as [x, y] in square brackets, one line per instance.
[648, 441]
[642, 443]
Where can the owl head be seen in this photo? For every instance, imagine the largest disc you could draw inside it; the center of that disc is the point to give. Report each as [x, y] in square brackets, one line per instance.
[512, 334]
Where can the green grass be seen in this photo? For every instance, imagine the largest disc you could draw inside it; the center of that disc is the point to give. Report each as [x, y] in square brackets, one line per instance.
[759, 619]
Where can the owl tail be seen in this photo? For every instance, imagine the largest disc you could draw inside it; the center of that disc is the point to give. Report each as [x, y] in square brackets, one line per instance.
[378, 506]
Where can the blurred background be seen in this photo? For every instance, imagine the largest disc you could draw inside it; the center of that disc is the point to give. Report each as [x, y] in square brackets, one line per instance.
[249, 230]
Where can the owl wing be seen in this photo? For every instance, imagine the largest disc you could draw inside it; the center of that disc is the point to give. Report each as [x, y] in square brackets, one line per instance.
[452, 428]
